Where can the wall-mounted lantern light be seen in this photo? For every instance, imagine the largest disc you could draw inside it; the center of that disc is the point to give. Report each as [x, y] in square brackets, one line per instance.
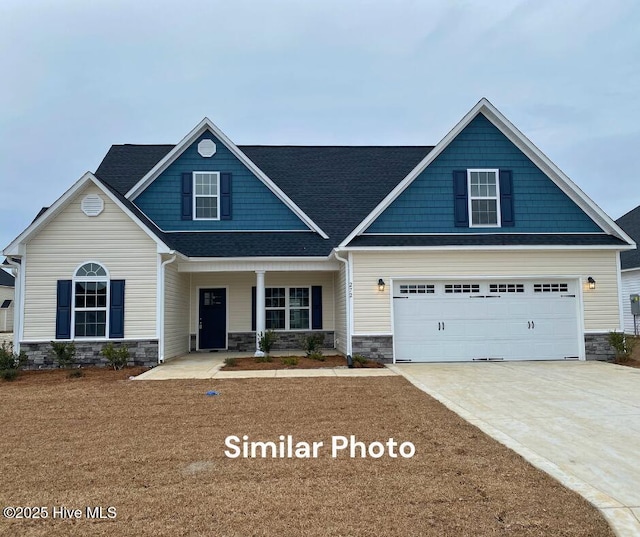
[381, 284]
[591, 282]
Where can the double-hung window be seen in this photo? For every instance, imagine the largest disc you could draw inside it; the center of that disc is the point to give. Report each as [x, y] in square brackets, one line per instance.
[287, 308]
[206, 195]
[90, 296]
[484, 198]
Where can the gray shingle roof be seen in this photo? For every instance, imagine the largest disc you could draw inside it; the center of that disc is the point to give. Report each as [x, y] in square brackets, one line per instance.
[337, 187]
[630, 223]
[489, 239]
[6, 279]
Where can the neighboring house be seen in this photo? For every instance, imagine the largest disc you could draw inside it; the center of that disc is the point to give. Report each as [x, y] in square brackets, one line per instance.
[630, 266]
[478, 248]
[6, 301]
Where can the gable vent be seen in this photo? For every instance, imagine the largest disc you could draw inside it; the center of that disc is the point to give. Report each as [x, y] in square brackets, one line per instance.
[92, 205]
[207, 148]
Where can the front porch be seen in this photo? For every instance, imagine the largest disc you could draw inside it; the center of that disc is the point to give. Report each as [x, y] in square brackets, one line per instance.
[223, 305]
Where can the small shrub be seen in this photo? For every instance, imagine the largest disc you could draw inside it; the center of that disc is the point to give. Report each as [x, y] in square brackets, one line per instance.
[116, 356]
[266, 341]
[10, 362]
[290, 360]
[311, 343]
[231, 362]
[64, 354]
[263, 359]
[9, 374]
[623, 345]
[76, 373]
[359, 359]
[317, 355]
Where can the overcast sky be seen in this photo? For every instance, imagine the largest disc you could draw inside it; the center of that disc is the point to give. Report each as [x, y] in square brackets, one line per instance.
[78, 76]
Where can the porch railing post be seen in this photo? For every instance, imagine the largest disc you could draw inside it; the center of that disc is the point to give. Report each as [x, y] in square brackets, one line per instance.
[260, 313]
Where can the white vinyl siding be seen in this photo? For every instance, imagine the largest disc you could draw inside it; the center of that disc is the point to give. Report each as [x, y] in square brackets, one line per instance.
[6, 315]
[176, 312]
[239, 286]
[340, 300]
[372, 310]
[72, 238]
[630, 286]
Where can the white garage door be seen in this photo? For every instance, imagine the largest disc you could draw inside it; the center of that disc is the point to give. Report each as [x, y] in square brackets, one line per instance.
[455, 321]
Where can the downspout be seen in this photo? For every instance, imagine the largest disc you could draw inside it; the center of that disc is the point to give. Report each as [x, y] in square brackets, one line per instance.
[348, 304]
[161, 309]
[18, 313]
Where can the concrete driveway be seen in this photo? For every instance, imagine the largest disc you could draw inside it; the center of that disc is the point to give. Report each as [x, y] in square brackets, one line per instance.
[578, 421]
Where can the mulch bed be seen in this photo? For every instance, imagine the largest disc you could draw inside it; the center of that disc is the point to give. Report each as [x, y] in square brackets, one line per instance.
[251, 364]
[635, 357]
[155, 452]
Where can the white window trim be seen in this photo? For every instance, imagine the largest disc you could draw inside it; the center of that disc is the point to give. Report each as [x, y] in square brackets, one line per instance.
[217, 196]
[75, 279]
[287, 308]
[496, 197]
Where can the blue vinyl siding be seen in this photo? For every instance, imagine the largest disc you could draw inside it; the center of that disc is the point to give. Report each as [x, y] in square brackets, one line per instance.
[427, 205]
[253, 205]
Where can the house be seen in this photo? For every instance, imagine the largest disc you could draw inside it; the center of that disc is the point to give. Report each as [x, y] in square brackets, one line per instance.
[6, 301]
[630, 267]
[478, 248]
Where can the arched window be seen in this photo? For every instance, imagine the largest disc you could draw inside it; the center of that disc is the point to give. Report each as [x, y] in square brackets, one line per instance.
[90, 300]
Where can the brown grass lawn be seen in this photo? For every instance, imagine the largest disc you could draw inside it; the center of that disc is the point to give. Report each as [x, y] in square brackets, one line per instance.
[154, 450]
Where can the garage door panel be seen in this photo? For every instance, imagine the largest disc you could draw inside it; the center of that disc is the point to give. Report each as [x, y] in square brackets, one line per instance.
[477, 321]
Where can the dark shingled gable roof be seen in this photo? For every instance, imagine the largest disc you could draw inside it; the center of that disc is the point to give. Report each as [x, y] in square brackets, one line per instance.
[488, 239]
[337, 187]
[6, 279]
[630, 223]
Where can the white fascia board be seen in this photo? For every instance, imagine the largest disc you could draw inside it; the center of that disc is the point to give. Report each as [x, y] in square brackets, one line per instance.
[258, 259]
[61, 203]
[204, 125]
[525, 145]
[258, 264]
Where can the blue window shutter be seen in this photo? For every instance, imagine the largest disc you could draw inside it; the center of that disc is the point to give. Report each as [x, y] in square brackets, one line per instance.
[316, 307]
[63, 310]
[116, 309]
[225, 196]
[187, 196]
[507, 217]
[460, 200]
[253, 309]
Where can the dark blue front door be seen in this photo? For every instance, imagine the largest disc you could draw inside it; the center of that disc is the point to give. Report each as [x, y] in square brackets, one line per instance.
[213, 319]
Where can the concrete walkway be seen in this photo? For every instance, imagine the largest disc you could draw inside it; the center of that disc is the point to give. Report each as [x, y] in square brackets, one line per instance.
[577, 421]
[208, 365]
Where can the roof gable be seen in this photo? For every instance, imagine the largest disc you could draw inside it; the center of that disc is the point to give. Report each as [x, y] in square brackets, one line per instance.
[427, 204]
[337, 186]
[254, 206]
[485, 108]
[15, 248]
[207, 125]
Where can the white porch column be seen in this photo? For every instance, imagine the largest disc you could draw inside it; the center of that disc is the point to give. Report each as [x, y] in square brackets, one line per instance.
[260, 314]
